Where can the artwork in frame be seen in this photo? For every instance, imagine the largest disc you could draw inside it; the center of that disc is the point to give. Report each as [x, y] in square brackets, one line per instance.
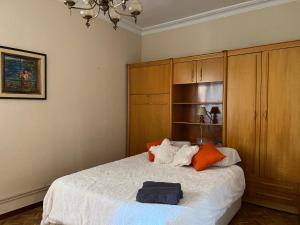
[22, 74]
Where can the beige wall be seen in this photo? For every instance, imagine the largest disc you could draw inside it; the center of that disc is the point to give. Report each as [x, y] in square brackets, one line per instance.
[83, 122]
[264, 26]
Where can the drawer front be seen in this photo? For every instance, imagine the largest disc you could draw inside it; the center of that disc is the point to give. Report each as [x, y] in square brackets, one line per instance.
[264, 186]
[280, 201]
[273, 194]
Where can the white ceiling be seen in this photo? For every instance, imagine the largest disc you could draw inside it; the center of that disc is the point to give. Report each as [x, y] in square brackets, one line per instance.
[162, 11]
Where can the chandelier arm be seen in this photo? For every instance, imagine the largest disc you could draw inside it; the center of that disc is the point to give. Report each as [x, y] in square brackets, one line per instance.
[81, 8]
[123, 14]
[98, 13]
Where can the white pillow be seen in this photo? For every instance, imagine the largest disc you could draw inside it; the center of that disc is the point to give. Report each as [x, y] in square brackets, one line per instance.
[180, 143]
[184, 155]
[231, 157]
[165, 153]
[154, 149]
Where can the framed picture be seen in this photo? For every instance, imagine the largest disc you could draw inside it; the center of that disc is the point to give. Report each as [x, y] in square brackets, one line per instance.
[22, 74]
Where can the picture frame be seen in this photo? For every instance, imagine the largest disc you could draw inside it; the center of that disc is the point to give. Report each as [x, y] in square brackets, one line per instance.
[23, 74]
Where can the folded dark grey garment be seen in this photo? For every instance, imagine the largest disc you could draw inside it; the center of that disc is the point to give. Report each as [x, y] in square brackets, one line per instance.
[162, 195]
[164, 184]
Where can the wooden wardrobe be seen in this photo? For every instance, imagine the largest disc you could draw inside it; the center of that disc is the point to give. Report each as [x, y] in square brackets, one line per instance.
[149, 109]
[263, 121]
[260, 112]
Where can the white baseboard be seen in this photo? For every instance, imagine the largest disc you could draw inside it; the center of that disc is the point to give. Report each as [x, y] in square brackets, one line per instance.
[21, 200]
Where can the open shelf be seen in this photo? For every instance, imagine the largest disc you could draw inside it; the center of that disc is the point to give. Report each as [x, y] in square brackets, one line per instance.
[197, 123]
[187, 99]
[197, 103]
[186, 132]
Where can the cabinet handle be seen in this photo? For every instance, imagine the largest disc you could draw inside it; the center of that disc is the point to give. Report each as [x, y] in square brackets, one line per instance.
[194, 69]
[201, 75]
[255, 115]
[265, 115]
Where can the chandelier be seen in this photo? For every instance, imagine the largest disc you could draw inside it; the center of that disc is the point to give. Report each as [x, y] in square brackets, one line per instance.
[91, 9]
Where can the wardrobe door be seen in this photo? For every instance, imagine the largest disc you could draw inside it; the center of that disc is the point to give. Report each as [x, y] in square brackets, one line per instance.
[184, 72]
[210, 70]
[281, 111]
[243, 85]
[150, 79]
[149, 120]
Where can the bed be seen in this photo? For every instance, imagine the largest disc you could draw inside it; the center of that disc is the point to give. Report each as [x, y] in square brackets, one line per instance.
[105, 195]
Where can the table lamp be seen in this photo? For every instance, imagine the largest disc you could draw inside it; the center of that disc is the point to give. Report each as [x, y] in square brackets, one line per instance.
[202, 112]
[215, 110]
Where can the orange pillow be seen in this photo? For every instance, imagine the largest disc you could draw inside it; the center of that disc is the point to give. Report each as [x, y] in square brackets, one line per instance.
[149, 145]
[206, 156]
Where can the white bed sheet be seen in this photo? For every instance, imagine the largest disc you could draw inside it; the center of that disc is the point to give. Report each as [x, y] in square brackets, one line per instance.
[105, 195]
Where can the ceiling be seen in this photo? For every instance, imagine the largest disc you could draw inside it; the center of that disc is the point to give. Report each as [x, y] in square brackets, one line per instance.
[162, 11]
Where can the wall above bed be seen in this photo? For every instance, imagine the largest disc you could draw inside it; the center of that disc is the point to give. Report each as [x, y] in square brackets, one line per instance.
[83, 121]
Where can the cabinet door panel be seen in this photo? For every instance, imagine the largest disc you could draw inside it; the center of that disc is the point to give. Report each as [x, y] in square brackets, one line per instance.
[242, 105]
[210, 70]
[150, 79]
[184, 72]
[281, 104]
[149, 120]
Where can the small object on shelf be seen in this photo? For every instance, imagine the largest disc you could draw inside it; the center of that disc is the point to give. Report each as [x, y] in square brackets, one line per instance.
[215, 110]
[202, 112]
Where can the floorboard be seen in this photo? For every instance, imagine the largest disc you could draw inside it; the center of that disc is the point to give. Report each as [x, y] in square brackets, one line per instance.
[248, 215]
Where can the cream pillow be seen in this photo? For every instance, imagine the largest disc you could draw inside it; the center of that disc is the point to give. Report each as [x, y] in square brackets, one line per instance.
[164, 154]
[184, 155]
[231, 157]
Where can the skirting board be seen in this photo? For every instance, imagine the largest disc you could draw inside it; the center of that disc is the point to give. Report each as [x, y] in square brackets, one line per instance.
[22, 200]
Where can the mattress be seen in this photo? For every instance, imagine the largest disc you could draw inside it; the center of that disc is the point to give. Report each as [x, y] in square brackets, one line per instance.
[105, 195]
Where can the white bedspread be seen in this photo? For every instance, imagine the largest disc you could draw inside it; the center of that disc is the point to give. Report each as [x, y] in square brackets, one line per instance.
[105, 195]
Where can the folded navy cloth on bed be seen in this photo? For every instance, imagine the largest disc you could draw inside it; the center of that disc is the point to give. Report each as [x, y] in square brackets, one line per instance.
[163, 184]
[162, 195]
[160, 192]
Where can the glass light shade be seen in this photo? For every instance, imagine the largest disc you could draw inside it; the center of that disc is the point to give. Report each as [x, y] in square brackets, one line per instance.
[113, 13]
[202, 111]
[215, 110]
[87, 13]
[135, 6]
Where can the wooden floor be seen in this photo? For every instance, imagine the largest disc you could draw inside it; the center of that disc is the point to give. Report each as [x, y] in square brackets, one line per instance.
[248, 215]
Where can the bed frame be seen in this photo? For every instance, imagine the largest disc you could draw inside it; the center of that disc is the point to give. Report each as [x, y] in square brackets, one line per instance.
[226, 218]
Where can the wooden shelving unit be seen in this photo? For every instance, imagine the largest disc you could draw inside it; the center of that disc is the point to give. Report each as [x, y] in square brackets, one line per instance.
[195, 123]
[197, 103]
[197, 84]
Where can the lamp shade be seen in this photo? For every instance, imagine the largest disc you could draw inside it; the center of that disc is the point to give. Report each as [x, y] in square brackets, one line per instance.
[202, 111]
[215, 110]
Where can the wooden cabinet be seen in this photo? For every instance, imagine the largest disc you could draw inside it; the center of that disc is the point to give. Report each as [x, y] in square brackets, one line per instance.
[148, 104]
[281, 115]
[198, 83]
[185, 72]
[242, 108]
[210, 70]
[201, 69]
[263, 95]
[150, 120]
[150, 79]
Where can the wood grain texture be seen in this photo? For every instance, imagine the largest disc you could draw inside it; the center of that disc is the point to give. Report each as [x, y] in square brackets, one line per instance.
[242, 82]
[152, 79]
[248, 215]
[149, 104]
[210, 70]
[184, 72]
[149, 120]
[281, 111]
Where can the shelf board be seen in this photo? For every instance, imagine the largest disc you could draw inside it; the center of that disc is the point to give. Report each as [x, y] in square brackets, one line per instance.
[197, 103]
[199, 83]
[197, 123]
